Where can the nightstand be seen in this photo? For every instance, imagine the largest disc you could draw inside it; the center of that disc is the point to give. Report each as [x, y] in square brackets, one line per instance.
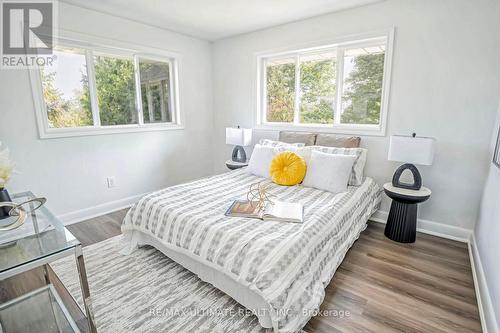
[402, 221]
[44, 240]
[232, 165]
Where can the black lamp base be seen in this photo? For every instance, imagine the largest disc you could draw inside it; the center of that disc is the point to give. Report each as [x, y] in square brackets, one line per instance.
[417, 179]
[239, 154]
[4, 196]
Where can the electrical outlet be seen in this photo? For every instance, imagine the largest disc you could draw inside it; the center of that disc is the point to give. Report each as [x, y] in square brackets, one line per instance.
[111, 182]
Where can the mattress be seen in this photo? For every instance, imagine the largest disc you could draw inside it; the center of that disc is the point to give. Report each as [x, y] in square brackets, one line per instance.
[278, 270]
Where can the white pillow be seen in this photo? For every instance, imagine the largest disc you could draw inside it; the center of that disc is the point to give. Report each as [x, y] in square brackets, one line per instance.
[329, 172]
[260, 161]
[273, 143]
[358, 167]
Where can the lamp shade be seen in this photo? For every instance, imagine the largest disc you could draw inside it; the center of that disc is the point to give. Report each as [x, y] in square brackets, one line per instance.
[408, 149]
[238, 136]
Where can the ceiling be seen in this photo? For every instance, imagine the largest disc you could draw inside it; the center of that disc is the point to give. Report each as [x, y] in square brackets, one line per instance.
[216, 19]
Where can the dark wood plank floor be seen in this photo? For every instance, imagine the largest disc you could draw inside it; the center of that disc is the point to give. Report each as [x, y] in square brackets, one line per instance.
[381, 286]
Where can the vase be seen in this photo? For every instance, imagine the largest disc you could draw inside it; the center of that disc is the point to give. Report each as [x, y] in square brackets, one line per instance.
[4, 196]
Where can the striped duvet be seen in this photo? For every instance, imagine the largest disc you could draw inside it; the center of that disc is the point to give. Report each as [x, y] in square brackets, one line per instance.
[288, 264]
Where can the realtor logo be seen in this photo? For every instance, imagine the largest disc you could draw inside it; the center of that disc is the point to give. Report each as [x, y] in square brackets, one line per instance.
[27, 33]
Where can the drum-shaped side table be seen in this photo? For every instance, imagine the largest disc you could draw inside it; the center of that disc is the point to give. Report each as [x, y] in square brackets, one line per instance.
[402, 221]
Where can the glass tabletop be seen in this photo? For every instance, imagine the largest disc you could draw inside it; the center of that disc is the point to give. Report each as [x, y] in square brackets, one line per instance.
[40, 236]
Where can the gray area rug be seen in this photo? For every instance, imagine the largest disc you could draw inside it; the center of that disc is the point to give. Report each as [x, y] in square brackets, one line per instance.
[148, 292]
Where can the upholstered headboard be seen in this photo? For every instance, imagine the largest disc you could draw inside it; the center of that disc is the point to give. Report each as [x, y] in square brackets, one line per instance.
[320, 139]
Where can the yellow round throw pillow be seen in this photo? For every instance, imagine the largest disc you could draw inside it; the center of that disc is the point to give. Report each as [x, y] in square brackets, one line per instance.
[287, 168]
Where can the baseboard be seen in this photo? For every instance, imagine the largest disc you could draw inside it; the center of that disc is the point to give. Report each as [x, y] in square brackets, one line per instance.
[431, 228]
[484, 303]
[95, 211]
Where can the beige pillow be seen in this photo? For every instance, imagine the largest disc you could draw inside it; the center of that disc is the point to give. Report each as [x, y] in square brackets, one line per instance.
[332, 140]
[298, 137]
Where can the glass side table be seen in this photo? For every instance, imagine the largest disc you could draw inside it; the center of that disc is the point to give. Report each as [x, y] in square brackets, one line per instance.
[39, 241]
[46, 310]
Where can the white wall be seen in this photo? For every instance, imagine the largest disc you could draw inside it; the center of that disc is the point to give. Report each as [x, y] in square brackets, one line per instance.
[487, 236]
[71, 172]
[445, 84]
[445, 81]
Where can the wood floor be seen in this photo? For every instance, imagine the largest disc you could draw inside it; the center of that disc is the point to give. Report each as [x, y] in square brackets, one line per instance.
[381, 286]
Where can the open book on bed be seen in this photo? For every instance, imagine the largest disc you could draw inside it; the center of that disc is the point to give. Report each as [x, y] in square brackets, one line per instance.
[276, 211]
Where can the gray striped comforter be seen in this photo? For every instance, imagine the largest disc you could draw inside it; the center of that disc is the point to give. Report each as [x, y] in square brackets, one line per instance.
[288, 264]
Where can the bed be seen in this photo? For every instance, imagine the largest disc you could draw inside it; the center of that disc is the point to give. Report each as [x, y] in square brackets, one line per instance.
[277, 270]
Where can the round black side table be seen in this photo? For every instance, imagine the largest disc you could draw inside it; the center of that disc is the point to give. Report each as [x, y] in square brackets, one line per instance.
[402, 221]
[232, 165]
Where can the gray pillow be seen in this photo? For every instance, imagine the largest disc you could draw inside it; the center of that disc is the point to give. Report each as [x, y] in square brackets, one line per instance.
[298, 137]
[332, 140]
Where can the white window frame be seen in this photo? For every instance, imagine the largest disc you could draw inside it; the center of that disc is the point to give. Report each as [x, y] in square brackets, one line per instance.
[339, 45]
[101, 47]
[174, 109]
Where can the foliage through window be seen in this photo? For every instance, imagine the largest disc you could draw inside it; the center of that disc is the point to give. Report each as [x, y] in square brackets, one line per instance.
[363, 77]
[337, 85]
[66, 90]
[114, 80]
[317, 88]
[92, 90]
[281, 90]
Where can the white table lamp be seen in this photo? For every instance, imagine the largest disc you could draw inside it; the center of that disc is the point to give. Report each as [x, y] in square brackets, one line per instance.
[410, 150]
[240, 137]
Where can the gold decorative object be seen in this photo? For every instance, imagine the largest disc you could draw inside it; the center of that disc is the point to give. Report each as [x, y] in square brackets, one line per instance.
[27, 207]
[19, 221]
[259, 195]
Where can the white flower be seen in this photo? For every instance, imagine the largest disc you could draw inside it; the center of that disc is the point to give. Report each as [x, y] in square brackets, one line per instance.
[6, 166]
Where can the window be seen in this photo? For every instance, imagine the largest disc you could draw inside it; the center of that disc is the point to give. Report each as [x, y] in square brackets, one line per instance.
[115, 87]
[317, 88]
[338, 86]
[362, 88]
[280, 84]
[155, 90]
[99, 91]
[66, 90]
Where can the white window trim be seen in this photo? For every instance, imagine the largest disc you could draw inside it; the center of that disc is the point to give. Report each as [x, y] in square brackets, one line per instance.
[100, 45]
[338, 44]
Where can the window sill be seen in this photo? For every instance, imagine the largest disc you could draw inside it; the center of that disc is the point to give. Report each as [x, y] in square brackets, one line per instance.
[365, 130]
[54, 133]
